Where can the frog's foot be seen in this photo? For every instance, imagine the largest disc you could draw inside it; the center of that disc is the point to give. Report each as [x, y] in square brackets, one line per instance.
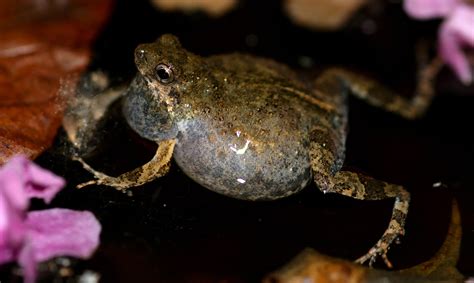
[100, 178]
[362, 187]
[155, 168]
[378, 250]
[395, 228]
[382, 246]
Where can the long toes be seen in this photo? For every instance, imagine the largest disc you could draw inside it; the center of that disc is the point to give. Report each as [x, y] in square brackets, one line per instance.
[372, 255]
[364, 258]
[84, 164]
[88, 168]
[82, 185]
[386, 260]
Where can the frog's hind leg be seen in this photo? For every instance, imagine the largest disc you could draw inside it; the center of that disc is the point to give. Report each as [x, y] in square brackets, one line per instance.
[158, 166]
[379, 96]
[355, 185]
[361, 187]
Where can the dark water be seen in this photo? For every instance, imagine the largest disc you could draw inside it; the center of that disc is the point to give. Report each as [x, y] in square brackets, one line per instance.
[173, 230]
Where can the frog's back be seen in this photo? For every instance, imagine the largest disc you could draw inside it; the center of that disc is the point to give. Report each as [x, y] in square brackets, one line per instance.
[250, 68]
[253, 144]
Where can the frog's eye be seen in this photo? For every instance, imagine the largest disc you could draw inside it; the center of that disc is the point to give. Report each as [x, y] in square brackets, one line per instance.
[164, 73]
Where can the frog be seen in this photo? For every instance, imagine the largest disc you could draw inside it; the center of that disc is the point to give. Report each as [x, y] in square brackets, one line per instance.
[251, 128]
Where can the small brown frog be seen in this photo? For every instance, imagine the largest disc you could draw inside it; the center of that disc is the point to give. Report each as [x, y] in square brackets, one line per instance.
[251, 129]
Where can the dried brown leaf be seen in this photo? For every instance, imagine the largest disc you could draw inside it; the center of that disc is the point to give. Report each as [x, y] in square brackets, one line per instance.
[42, 43]
[215, 8]
[322, 14]
[311, 266]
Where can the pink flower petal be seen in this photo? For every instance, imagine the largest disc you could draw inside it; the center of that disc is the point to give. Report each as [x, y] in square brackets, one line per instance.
[41, 183]
[28, 263]
[21, 179]
[427, 9]
[12, 228]
[11, 183]
[456, 33]
[13, 205]
[7, 255]
[39, 235]
[58, 231]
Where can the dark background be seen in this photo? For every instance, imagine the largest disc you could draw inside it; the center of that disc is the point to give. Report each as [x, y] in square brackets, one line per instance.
[173, 230]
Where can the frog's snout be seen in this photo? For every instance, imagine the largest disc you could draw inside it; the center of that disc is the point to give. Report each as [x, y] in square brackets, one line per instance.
[141, 57]
[140, 53]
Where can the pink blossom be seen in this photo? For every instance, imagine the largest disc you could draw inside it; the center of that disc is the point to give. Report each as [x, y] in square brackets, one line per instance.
[21, 180]
[456, 32]
[31, 237]
[427, 9]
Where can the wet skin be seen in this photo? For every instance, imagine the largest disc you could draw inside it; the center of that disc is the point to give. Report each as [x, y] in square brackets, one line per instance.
[249, 128]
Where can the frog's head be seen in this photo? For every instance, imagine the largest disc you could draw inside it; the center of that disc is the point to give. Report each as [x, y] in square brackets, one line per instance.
[168, 69]
[166, 77]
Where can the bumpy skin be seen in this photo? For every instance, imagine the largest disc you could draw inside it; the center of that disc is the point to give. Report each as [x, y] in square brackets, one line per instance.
[243, 122]
[248, 128]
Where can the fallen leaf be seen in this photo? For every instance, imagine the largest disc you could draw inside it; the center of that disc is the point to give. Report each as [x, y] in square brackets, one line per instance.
[42, 43]
[311, 266]
[214, 8]
[322, 14]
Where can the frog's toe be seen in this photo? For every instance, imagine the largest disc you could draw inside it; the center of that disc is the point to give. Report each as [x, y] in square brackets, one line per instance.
[86, 166]
[102, 179]
[85, 184]
[391, 235]
[380, 249]
[99, 178]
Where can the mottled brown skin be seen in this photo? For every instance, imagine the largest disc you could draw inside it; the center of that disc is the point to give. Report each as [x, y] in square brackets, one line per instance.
[249, 128]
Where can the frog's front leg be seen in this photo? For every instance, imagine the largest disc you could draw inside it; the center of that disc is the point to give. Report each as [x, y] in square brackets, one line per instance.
[355, 185]
[158, 166]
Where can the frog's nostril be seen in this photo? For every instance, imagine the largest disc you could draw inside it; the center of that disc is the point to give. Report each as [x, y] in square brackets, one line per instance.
[140, 53]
